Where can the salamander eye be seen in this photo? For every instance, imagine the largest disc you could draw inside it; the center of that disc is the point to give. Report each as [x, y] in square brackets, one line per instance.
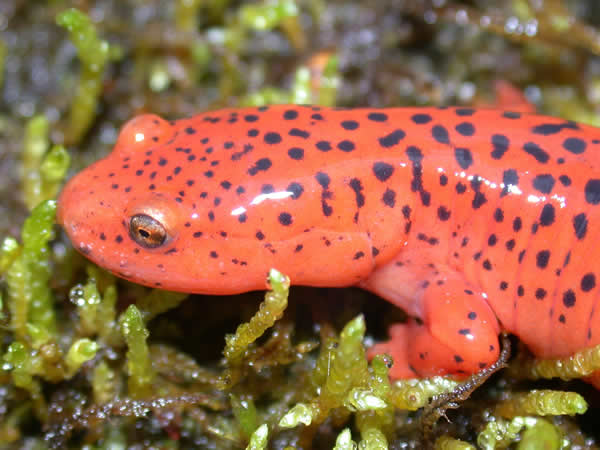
[147, 231]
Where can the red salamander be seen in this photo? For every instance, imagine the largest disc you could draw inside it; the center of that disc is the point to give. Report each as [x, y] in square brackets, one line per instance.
[472, 220]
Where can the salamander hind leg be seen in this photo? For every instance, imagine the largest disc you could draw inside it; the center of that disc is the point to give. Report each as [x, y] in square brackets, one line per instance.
[453, 329]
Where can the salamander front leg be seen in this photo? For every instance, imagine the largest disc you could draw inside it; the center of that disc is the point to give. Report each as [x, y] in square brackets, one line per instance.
[453, 329]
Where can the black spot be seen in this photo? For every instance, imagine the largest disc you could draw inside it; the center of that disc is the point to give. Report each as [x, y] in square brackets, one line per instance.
[565, 180]
[503, 285]
[406, 212]
[253, 132]
[290, 114]
[588, 282]
[392, 139]
[299, 133]
[242, 218]
[285, 218]
[383, 171]
[542, 258]
[162, 162]
[478, 200]
[357, 187]
[592, 191]
[139, 172]
[574, 145]
[226, 185]
[492, 240]
[119, 239]
[349, 124]
[323, 179]
[510, 245]
[540, 293]
[251, 118]
[377, 117]
[272, 138]
[262, 164]
[443, 180]
[296, 153]
[421, 119]
[211, 216]
[472, 315]
[517, 224]
[487, 265]
[511, 115]
[464, 158]
[465, 129]
[443, 213]
[298, 248]
[510, 178]
[324, 146]
[213, 254]
[346, 146]
[240, 190]
[499, 215]
[580, 223]
[440, 134]
[461, 188]
[197, 234]
[477, 256]
[228, 145]
[389, 198]
[562, 318]
[358, 255]
[464, 111]
[567, 259]
[520, 291]
[267, 189]
[537, 152]
[296, 189]
[259, 235]
[458, 359]
[464, 331]
[547, 216]
[316, 116]
[500, 143]
[544, 183]
[569, 298]
[547, 129]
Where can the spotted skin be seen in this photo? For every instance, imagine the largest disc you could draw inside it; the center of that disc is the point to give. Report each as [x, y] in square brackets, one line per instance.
[472, 220]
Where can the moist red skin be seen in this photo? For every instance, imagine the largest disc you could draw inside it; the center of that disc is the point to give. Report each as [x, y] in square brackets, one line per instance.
[472, 220]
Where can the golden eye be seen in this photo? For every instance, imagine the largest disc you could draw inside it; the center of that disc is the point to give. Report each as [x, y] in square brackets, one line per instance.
[147, 231]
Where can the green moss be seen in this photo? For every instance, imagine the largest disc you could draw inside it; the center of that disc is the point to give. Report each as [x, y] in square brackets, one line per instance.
[94, 54]
[3, 52]
[259, 439]
[542, 403]
[35, 146]
[81, 351]
[30, 299]
[447, 443]
[139, 365]
[270, 311]
[192, 56]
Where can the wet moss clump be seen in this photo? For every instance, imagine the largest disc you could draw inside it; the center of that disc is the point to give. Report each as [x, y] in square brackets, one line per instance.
[92, 361]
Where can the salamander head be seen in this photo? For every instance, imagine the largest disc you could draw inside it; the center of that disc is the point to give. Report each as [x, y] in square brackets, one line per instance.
[138, 214]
